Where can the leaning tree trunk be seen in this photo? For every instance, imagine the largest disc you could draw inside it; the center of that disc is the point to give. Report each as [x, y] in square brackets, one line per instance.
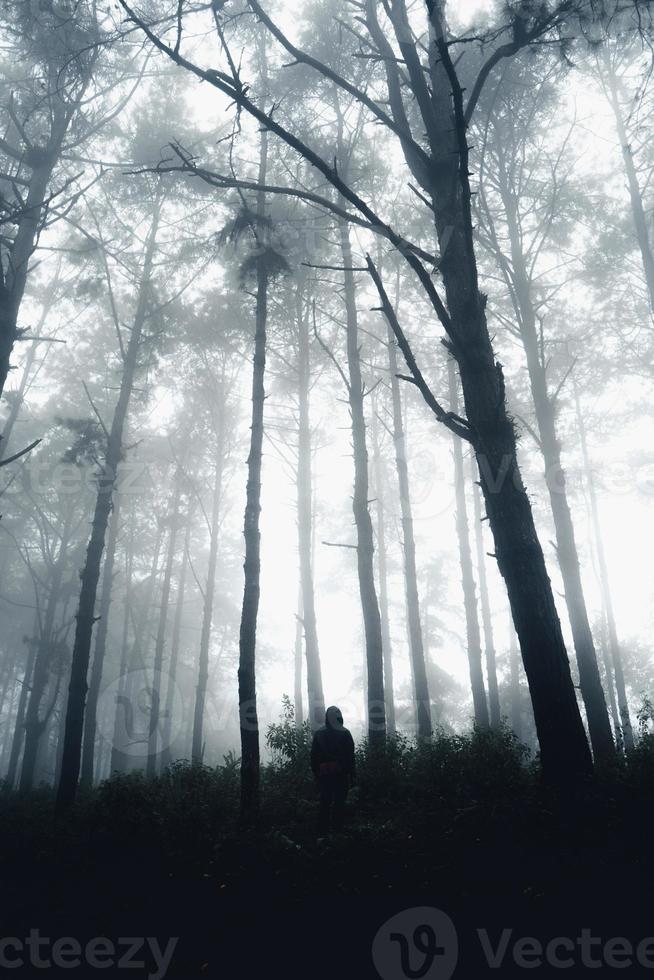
[155, 713]
[627, 731]
[473, 636]
[197, 742]
[566, 546]
[90, 719]
[486, 618]
[382, 568]
[564, 748]
[316, 697]
[91, 573]
[365, 542]
[416, 645]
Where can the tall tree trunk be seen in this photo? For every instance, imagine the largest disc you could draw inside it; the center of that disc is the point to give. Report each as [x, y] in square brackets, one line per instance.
[564, 748]
[34, 724]
[90, 720]
[316, 697]
[365, 542]
[247, 684]
[19, 395]
[473, 636]
[134, 682]
[514, 667]
[487, 622]
[382, 568]
[197, 744]
[18, 398]
[641, 223]
[605, 584]
[91, 573]
[7, 736]
[608, 669]
[151, 764]
[297, 665]
[7, 697]
[416, 646]
[550, 447]
[166, 737]
[19, 725]
[15, 276]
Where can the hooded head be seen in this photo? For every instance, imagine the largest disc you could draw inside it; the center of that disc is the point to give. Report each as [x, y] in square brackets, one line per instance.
[333, 717]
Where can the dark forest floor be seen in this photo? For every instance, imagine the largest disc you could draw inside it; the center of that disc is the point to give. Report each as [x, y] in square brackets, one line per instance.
[463, 825]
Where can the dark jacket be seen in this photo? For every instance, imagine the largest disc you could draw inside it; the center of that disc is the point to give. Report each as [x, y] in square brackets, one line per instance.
[333, 749]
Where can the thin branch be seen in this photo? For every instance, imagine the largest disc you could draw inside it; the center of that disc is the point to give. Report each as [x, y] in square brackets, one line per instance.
[451, 421]
[22, 452]
[95, 410]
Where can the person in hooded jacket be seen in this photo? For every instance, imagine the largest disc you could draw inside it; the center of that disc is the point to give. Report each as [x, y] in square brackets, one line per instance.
[332, 763]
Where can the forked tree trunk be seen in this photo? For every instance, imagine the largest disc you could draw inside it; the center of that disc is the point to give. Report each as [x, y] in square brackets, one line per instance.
[486, 618]
[95, 681]
[382, 569]
[316, 697]
[91, 573]
[416, 644]
[365, 543]
[473, 636]
[564, 748]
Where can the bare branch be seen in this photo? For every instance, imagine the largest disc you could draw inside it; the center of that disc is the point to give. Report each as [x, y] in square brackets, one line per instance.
[453, 422]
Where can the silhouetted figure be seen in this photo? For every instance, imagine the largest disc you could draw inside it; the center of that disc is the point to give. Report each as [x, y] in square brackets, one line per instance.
[332, 762]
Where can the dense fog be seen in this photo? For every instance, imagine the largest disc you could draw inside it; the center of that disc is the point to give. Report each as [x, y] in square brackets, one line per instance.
[326, 345]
